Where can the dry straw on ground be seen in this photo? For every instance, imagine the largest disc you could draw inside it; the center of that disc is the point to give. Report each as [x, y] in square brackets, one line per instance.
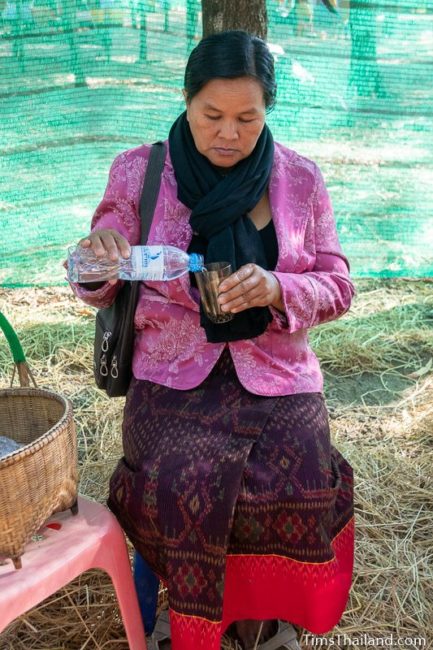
[378, 366]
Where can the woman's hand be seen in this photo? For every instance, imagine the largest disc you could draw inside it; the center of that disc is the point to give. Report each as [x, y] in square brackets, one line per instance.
[107, 242]
[250, 286]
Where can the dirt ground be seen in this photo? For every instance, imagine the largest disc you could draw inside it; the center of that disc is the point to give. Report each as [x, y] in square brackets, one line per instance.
[377, 365]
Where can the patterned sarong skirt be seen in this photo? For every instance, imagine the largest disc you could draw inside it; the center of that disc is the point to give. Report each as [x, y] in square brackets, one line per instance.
[238, 502]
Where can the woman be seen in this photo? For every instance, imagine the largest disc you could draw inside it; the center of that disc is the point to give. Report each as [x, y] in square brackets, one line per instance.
[229, 484]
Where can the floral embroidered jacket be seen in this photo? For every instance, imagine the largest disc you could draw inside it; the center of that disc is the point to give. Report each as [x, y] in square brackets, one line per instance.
[170, 346]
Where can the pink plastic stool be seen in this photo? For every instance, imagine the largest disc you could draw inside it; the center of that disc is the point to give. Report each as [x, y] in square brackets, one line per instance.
[92, 539]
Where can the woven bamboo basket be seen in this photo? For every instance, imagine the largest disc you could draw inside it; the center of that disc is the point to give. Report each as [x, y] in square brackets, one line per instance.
[39, 478]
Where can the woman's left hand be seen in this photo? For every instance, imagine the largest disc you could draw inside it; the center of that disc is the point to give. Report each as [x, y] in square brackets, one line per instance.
[250, 286]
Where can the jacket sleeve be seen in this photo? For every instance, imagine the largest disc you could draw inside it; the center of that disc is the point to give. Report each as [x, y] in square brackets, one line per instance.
[117, 211]
[325, 292]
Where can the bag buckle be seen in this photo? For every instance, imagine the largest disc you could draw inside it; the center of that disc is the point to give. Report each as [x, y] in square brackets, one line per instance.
[103, 368]
[104, 344]
[114, 372]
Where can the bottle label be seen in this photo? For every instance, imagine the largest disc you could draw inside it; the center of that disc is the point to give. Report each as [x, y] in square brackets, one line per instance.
[148, 262]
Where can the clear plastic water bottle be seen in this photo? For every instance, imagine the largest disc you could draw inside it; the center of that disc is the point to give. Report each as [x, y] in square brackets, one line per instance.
[144, 263]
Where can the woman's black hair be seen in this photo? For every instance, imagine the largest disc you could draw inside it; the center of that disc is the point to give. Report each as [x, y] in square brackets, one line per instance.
[229, 55]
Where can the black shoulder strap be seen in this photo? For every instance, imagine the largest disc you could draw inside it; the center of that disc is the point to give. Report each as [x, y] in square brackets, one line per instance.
[151, 185]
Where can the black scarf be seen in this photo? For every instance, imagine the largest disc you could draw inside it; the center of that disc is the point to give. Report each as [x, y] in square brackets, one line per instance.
[220, 205]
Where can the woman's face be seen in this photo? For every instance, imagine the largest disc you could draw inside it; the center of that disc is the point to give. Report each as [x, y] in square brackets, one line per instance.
[226, 118]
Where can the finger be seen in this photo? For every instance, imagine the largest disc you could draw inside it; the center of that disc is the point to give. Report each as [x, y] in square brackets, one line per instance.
[237, 277]
[85, 243]
[257, 301]
[251, 283]
[240, 294]
[122, 245]
[252, 298]
[115, 243]
[96, 243]
[110, 244]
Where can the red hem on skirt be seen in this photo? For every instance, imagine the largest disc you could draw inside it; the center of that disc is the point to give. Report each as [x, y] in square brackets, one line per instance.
[312, 595]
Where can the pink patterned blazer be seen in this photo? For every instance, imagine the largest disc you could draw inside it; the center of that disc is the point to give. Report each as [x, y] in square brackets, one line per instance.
[170, 346]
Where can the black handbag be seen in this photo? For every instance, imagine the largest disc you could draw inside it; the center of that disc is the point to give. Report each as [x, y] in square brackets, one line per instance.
[114, 328]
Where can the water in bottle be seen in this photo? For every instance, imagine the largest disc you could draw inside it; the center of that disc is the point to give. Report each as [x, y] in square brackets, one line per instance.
[144, 263]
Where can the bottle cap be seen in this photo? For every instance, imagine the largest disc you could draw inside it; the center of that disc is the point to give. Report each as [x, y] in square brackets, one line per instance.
[196, 262]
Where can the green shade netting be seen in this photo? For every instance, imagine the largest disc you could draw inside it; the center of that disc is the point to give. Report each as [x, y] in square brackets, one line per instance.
[82, 81]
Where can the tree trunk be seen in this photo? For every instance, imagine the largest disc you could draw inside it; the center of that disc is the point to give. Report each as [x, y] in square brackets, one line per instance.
[249, 15]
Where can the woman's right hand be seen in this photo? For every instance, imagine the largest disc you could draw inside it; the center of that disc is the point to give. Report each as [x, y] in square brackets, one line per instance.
[107, 242]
